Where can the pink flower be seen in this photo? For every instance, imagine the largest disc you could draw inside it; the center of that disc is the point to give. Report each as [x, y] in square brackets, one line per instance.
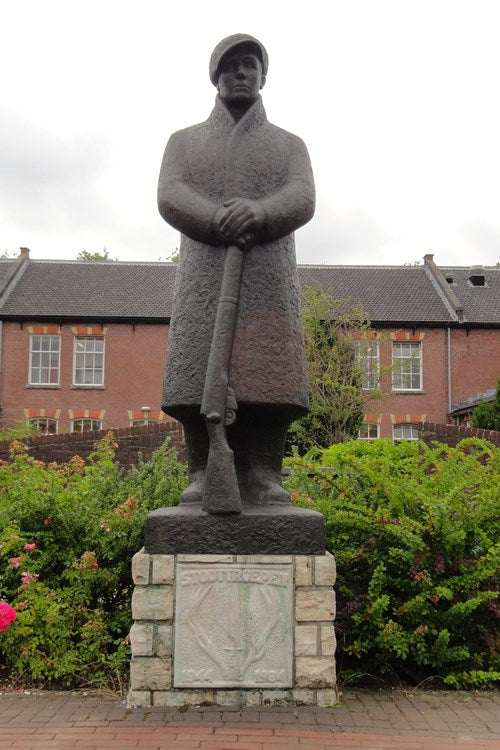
[16, 560]
[27, 578]
[7, 615]
[30, 546]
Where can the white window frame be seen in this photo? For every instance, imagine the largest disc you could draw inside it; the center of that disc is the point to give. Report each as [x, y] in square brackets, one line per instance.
[367, 360]
[413, 432]
[411, 362]
[369, 426]
[36, 422]
[80, 421]
[143, 421]
[52, 350]
[77, 352]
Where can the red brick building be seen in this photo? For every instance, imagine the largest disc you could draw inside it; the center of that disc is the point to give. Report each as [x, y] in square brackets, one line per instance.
[83, 344]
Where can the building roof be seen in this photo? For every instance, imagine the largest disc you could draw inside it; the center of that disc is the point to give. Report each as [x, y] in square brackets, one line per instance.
[6, 268]
[117, 290]
[92, 290]
[464, 407]
[481, 303]
[402, 294]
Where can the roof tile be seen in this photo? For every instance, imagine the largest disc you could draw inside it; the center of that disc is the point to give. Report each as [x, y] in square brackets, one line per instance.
[128, 290]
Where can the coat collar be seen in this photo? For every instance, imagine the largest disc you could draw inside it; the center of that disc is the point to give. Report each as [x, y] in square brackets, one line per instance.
[222, 119]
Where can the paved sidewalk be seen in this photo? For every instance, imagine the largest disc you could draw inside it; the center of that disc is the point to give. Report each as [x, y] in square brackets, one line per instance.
[368, 720]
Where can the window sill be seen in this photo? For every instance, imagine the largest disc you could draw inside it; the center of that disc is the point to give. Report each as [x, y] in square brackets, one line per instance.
[88, 387]
[49, 386]
[416, 392]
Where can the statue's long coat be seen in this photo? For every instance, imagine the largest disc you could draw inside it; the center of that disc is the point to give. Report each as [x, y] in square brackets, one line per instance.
[204, 165]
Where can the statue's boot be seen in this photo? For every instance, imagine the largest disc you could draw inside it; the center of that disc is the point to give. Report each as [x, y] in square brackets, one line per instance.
[258, 443]
[196, 441]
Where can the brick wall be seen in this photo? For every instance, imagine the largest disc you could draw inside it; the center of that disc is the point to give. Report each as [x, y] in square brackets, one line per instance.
[475, 362]
[134, 361]
[131, 441]
[452, 434]
[411, 406]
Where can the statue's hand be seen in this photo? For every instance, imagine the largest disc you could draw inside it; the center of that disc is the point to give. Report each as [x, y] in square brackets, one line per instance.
[238, 217]
[246, 241]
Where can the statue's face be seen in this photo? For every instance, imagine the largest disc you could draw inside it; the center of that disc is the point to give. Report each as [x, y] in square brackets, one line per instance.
[240, 76]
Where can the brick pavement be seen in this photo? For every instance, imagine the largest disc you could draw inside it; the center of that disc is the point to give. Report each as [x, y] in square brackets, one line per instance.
[363, 719]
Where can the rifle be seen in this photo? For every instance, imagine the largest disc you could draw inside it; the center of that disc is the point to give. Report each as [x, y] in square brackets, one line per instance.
[218, 404]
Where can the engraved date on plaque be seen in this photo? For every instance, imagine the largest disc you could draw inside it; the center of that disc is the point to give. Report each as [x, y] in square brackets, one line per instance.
[233, 625]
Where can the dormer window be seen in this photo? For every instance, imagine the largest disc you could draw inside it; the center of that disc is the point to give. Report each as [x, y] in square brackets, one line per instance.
[476, 276]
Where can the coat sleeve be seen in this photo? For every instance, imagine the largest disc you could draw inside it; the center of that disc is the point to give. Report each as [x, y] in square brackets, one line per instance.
[293, 204]
[179, 203]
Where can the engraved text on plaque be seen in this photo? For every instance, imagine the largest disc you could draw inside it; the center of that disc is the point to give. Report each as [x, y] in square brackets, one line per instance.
[233, 625]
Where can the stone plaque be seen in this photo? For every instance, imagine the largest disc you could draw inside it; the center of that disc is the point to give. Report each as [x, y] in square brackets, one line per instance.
[233, 625]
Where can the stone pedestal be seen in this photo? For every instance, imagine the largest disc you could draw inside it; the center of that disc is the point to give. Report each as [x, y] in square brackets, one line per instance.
[232, 630]
[259, 530]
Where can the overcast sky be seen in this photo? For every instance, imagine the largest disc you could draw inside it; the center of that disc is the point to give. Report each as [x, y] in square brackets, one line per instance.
[397, 100]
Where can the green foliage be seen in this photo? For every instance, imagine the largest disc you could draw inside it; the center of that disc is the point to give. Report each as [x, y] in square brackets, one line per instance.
[414, 531]
[95, 255]
[16, 430]
[487, 414]
[415, 534]
[72, 591]
[335, 374]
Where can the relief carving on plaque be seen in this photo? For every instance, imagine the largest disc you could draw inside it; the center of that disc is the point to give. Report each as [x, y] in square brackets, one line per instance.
[233, 626]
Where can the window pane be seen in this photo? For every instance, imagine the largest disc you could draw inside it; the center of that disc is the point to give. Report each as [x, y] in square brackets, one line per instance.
[368, 431]
[86, 425]
[89, 360]
[44, 425]
[407, 366]
[44, 359]
[405, 432]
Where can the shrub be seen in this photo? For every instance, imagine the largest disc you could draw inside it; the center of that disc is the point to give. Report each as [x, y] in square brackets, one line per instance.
[67, 536]
[415, 534]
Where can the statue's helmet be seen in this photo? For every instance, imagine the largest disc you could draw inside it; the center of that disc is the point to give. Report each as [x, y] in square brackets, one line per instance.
[229, 43]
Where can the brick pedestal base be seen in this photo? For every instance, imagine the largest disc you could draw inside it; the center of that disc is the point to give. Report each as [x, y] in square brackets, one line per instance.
[309, 680]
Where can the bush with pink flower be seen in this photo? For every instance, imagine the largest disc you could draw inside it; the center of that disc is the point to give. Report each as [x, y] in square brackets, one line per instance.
[67, 536]
[7, 615]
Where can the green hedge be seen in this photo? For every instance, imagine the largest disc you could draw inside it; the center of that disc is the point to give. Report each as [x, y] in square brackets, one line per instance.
[415, 534]
[73, 601]
[414, 531]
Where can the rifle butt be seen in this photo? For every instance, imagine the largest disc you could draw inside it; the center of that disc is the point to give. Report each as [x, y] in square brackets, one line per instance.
[221, 493]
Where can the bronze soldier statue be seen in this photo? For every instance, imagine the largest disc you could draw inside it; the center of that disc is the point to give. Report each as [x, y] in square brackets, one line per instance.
[235, 182]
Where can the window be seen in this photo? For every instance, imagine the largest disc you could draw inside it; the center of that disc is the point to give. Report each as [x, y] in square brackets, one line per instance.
[407, 366]
[44, 425]
[140, 422]
[405, 432]
[44, 359]
[366, 356]
[88, 360]
[86, 425]
[368, 431]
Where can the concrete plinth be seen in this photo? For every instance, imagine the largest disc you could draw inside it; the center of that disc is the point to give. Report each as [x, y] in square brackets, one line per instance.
[232, 630]
[275, 530]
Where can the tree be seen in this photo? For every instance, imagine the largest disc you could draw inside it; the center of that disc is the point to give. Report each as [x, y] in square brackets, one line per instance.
[96, 255]
[342, 375]
[173, 257]
[487, 414]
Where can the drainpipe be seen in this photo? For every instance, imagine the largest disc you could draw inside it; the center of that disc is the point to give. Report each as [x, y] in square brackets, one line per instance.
[448, 351]
[1, 341]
